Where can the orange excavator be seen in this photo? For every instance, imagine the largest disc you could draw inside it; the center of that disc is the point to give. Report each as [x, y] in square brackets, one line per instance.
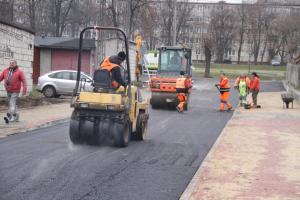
[172, 60]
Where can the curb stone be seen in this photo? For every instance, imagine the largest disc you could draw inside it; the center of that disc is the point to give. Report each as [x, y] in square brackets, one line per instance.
[44, 125]
[187, 194]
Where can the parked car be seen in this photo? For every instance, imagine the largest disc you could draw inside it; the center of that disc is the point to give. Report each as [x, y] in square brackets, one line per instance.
[62, 82]
[275, 62]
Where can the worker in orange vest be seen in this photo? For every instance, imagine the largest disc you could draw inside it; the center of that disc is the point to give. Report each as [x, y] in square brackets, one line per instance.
[242, 84]
[254, 88]
[113, 65]
[183, 85]
[224, 88]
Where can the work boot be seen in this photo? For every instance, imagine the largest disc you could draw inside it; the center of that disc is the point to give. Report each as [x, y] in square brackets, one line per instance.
[179, 109]
[6, 119]
[229, 106]
[12, 119]
[221, 107]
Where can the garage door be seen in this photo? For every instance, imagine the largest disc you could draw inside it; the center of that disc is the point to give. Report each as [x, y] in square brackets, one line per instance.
[65, 59]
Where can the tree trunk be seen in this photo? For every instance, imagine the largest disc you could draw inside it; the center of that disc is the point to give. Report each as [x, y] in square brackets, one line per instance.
[31, 6]
[207, 51]
[57, 17]
[240, 47]
[263, 52]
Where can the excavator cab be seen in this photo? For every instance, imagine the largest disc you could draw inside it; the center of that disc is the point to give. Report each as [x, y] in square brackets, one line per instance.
[105, 114]
[171, 61]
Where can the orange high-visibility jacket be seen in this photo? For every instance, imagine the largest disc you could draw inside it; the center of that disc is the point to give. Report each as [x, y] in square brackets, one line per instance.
[107, 65]
[224, 84]
[237, 81]
[255, 84]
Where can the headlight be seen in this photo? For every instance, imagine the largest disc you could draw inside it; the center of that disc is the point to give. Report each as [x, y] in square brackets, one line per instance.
[110, 107]
[83, 105]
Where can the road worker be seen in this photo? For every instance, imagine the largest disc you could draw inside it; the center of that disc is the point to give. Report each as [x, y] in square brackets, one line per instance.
[224, 88]
[112, 65]
[183, 85]
[254, 88]
[138, 46]
[242, 84]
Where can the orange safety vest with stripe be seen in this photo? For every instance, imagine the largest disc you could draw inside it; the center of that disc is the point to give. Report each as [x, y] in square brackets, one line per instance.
[107, 65]
[224, 85]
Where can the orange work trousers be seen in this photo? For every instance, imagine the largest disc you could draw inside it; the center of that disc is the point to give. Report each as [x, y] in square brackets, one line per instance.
[224, 101]
[182, 98]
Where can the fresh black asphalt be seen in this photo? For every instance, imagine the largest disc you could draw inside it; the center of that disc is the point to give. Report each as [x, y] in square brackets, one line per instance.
[44, 165]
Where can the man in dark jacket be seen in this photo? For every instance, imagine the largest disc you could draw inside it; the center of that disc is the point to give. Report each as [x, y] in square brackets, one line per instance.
[113, 65]
[13, 78]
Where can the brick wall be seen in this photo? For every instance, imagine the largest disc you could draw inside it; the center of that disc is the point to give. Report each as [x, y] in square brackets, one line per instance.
[16, 44]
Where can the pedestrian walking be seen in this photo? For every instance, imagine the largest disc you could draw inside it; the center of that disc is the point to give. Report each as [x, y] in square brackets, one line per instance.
[242, 84]
[224, 89]
[254, 88]
[13, 78]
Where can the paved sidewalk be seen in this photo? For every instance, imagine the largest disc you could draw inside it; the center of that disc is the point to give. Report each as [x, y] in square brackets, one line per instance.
[257, 156]
[36, 117]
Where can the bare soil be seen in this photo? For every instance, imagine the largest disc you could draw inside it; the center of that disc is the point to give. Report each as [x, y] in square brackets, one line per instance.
[29, 102]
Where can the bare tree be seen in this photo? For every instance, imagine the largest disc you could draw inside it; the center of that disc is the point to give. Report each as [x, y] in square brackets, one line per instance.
[134, 7]
[7, 10]
[208, 48]
[242, 28]
[148, 19]
[256, 26]
[113, 12]
[60, 10]
[184, 10]
[222, 27]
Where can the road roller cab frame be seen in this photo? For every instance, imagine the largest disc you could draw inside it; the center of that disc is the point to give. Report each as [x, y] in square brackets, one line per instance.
[107, 114]
[163, 85]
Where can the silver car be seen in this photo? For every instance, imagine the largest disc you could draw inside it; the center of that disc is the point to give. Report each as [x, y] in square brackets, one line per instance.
[62, 82]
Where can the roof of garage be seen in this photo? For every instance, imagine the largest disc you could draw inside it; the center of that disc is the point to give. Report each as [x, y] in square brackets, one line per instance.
[63, 43]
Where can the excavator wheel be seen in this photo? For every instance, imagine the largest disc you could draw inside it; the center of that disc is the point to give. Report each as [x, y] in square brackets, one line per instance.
[121, 133]
[141, 127]
[74, 131]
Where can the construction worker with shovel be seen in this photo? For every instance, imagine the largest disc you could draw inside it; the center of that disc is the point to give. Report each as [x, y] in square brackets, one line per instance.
[224, 89]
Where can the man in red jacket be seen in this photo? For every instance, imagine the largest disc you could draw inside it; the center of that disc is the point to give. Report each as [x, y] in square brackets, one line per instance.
[254, 88]
[13, 78]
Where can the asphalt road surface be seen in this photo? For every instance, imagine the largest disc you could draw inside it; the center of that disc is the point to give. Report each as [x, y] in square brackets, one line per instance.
[43, 164]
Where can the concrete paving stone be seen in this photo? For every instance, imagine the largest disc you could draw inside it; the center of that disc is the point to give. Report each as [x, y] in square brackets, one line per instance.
[256, 157]
[36, 117]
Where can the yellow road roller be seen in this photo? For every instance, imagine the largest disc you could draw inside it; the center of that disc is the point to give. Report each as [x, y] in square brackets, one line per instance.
[106, 114]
